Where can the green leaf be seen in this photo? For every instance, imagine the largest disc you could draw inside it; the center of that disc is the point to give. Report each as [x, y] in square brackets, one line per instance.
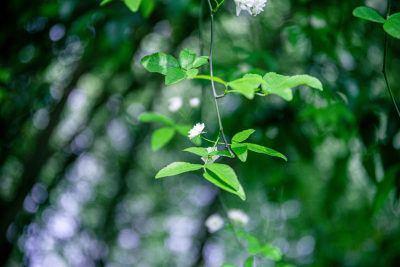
[249, 262]
[161, 137]
[159, 62]
[254, 247]
[253, 244]
[177, 168]
[174, 75]
[197, 140]
[368, 13]
[243, 89]
[191, 73]
[228, 265]
[240, 151]
[105, 2]
[199, 151]
[155, 117]
[265, 150]
[214, 179]
[147, 8]
[255, 79]
[187, 58]
[271, 252]
[306, 80]
[133, 5]
[276, 84]
[200, 61]
[246, 85]
[392, 25]
[242, 136]
[225, 173]
[281, 85]
[183, 129]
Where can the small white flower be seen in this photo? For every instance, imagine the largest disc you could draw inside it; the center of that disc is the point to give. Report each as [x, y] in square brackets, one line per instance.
[196, 130]
[258, 6]
[210, 159]
[254, 7]
[243, 5]
[194, 102]
[214, 223]
[175, 103]
[238, 216]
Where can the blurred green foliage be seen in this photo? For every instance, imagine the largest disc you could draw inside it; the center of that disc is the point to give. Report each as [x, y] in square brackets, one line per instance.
[77, 171]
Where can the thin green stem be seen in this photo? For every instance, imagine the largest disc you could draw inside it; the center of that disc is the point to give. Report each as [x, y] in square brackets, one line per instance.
[211, 78]
[215, 79]
[384, 62]
[216, 143]
[218, 6]
[211, 141]
[221, 128]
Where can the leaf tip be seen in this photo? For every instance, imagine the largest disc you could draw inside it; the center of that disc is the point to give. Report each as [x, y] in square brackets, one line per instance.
[104, 2]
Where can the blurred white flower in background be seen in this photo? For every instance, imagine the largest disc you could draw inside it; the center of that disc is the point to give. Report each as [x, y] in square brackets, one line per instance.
[238, 216]
[214, 223]
[196, 130]
[194, 102]
[254, 7]
[211, 159]
[175, 103]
